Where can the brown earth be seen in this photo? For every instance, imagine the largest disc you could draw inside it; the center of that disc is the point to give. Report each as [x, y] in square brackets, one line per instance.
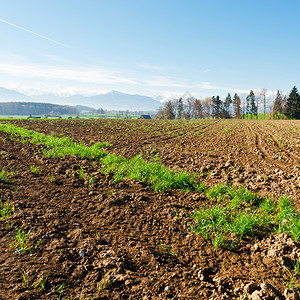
[264, 156]
[124, 241]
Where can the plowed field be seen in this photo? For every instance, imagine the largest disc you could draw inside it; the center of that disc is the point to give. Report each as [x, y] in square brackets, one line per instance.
[101, 240]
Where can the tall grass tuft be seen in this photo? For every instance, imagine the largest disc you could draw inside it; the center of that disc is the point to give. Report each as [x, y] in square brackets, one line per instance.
[238, 213]
[152, 173]
[56, 147]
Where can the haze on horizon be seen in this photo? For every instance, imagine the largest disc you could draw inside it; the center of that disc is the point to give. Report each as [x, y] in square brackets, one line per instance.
[149, 48]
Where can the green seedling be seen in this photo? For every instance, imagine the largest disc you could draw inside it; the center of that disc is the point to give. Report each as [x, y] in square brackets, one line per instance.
[81, 173]
[281, 143]
[104, 283]
[226, 130]
[22, 241]
[36, 170]
[153, 151]
[178, 215]
[92, 180]
[166, 248]
[6, 210]
[292, 274]
[16, 188]
[52, 178]
[40, 282]
[4, 175]
[24, 277]
[60, 289]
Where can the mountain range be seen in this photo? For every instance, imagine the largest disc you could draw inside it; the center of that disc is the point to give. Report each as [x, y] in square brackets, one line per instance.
[113, 100]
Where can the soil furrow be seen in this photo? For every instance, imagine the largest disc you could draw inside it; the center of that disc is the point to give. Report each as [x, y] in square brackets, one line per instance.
[264, 153]
[295, 157]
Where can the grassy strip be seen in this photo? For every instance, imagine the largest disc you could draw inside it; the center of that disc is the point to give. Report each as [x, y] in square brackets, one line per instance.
[56, 147]
[240, 213]
[154, 174]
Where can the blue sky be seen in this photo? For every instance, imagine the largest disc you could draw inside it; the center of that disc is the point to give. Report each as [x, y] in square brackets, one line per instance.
[153, 48]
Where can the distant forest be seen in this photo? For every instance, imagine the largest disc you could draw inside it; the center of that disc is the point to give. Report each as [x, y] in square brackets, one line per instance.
[32, 108]
[283, 107]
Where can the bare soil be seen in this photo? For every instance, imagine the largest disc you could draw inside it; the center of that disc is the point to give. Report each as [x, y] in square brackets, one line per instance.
[124, 241]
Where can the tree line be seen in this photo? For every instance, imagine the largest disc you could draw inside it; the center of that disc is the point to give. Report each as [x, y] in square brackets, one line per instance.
[283, 107]
[34, 108]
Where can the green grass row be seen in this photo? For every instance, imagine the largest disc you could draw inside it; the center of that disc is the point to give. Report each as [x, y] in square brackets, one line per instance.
[56, 147]
[154, 174]
[233, 215]
[238, 213]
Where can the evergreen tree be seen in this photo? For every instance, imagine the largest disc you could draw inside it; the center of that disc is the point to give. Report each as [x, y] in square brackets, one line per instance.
[217, 106]
[251, 105]
[237, 106]
[277, 106]
[297, 114]
[293, 104]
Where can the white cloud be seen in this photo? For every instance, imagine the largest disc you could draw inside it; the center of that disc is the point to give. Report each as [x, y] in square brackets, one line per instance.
[209, 86]
[152, 67]
[60, 76]
[72, 73]
[57, 89]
